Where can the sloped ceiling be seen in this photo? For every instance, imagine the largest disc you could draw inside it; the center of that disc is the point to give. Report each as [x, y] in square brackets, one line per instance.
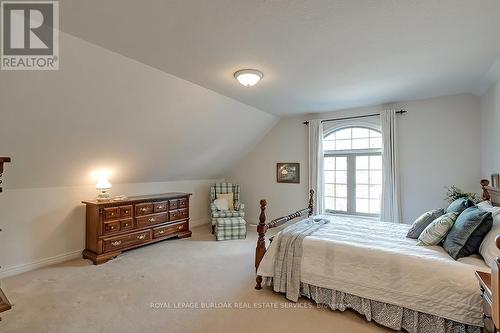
[104, 111]
[319, 55]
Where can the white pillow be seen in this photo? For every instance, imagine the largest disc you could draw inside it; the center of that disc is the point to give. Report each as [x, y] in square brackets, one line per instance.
[488, 248]
[488, 207]
[221, 204]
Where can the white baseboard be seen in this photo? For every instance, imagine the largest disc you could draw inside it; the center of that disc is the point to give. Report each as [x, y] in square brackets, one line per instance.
[18, 269]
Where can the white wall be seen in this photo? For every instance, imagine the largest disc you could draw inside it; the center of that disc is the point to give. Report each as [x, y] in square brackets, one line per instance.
[438, 142]
[490, 131]
[47, 225]
[104, 110]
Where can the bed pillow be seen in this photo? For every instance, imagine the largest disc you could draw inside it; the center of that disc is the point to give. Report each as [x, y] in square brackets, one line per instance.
[488, 207]
[488, 248]
[422, 222]
[434, 233]
[459, 205]
[228, 197]
[467, 233]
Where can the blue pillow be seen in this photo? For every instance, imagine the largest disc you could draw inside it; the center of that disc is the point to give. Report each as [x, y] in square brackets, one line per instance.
[422, 222]
[468, 232]
[459, 205]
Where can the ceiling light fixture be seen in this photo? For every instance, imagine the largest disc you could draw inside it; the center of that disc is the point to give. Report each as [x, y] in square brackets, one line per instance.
[248, 77]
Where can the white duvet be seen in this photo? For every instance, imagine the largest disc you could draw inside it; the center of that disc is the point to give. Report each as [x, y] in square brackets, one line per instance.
[375, 260]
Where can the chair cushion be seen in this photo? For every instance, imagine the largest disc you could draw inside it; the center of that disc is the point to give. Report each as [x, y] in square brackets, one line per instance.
[467, 233]
[229, 197]
[228, 213]
[422, 222]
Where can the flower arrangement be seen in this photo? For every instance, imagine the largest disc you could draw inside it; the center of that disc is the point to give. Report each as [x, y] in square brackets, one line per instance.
[453, 193]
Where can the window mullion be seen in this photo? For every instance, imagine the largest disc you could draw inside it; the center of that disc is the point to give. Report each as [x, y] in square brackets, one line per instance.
[351, 184]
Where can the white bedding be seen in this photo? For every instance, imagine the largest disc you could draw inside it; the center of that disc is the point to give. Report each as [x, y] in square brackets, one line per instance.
[375, 260]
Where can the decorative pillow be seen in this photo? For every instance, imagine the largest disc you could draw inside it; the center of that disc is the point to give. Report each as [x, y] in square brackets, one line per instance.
[422, 222]
[221, 204]
[488, 248]
[434, 233]
[488, 207]
[228, 197]
[467, 233]
[459, 205]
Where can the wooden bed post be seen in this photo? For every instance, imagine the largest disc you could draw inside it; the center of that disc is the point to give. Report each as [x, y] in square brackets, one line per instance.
[484, 185]
[495, 287]
[261, 242]
[311, 202]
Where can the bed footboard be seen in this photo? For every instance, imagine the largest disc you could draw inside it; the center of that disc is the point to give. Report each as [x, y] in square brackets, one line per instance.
[262, 228]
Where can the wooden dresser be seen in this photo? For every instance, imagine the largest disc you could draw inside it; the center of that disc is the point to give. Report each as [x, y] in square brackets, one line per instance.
[115, 226]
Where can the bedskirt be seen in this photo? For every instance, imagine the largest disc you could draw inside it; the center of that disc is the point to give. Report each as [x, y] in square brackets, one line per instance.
[388, 315]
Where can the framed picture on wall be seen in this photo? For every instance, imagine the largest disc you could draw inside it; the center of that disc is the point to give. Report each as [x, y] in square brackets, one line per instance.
[288, 173]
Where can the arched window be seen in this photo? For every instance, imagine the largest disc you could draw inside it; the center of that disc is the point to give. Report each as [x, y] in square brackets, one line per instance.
[353, 170]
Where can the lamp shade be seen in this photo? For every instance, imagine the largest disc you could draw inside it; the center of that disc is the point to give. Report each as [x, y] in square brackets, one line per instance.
[103, 185]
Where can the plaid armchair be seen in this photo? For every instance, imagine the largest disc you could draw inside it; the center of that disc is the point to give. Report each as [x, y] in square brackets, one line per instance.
[222, 188]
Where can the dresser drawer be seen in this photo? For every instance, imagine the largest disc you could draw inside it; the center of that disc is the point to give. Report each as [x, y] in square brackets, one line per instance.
[121, 242]
[169, 229]
[111, 227]
[160, 206]
[178, 214]
[144, 209]
[173, 204]
[183, 203]
[111, 213]
[125, 211]
[127, 224]
[151, 220]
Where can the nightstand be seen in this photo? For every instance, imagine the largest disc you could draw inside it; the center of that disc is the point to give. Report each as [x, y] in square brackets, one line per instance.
[485, 284]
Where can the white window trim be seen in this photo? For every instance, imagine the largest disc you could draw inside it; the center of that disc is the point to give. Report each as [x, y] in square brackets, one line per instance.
[351, 162]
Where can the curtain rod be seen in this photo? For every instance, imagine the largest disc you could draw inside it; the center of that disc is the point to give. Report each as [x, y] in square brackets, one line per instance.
[355, 117]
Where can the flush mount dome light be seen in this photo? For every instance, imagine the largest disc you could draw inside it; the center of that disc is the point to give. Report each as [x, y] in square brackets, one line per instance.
[248, 77]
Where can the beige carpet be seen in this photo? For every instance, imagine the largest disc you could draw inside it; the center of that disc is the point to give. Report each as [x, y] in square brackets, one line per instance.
[77, 296]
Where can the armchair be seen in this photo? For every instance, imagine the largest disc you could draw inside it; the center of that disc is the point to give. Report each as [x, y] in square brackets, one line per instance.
[222, 188]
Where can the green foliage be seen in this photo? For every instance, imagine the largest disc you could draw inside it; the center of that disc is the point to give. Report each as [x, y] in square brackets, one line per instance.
[453, 193]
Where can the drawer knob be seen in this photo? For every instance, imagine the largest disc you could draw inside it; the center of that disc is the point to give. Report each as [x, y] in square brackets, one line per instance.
[116, 243]
[160, 207]
[143, 209]
[141, 237]
[152, 219]
[162, 232]
[112, 227]
[126, 224]
[180, 227]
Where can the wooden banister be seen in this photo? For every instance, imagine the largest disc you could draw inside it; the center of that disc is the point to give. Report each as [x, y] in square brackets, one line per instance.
[4, 302]
[495, 287]
[2, 161]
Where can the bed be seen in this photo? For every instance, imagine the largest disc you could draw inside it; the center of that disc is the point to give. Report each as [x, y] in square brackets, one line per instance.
[372, 268]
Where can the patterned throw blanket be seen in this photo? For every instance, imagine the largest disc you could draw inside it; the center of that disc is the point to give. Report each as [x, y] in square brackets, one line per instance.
[289, 254]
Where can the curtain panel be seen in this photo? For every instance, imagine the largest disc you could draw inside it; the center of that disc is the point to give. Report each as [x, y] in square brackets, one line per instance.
[316, 164]
[390, 206]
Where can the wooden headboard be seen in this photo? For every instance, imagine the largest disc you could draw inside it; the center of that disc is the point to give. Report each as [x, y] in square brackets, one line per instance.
[490, 193]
